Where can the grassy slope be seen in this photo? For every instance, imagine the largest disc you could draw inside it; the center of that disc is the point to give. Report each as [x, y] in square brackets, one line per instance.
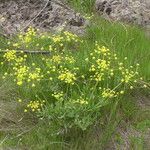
[126, 41]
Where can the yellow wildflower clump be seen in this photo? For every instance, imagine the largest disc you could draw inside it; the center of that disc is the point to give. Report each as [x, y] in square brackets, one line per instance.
[24, 39]
[20, 100]
[67, 76]
[15, 59]
[69, 59]
[98, 76]
[35, 75]
[30, 34]
[21, 73]
[127, 75]
[103, 64]
[108, 93]
[20, 60]
[57, 59]
[81, 101]
[58, 95]
[101, 50]
[57, 38]
[24, 73]
[71, 37]
[10, 55]
[34, 106]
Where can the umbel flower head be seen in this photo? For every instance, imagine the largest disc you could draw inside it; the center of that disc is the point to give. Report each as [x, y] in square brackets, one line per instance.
[67, 76]
[34, 106]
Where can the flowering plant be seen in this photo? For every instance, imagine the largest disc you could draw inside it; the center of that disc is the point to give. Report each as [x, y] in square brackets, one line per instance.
[65, 87]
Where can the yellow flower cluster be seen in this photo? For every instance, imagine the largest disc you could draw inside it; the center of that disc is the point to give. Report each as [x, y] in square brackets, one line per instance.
[58, 95]
[101, 63]
[20, 60]
[35, 76]
[98, 76]
[57, 59]
[81, 101]
[57, 68]
[108, 93]
[70, 36]
[21, 73]
[60, 40]
[67, 76]
[25, 39]
[29, 35]
[62, 59]
[32, 39]
[34, 106]
[101, 50]
[128, 75]
[10, 55]
[105, 64]
[57, 38]
[69, 59]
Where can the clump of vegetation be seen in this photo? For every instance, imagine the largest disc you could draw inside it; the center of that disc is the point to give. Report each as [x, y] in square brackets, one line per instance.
[58, 87]
[84, 6]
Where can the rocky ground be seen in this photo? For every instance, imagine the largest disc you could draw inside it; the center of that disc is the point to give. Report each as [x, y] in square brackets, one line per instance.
[53, 15]
[131, 11]
[47, 15]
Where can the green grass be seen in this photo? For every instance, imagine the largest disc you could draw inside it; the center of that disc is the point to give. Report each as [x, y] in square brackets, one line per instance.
[126, 41]
[84, 6]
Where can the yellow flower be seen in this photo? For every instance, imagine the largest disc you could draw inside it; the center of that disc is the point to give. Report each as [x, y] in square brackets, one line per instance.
[57, 39]
[25, 110]
[57, 59]
[102, 64]
[128, 77]
[98, 76]
[93, 68]
[19, 100]
[67, 76]
[108, 93]
[35, 105]
[69, 59]
[131, 87]
[58, 95]
[101, 50]
[16, 45]
[121, 92]
[33, 85]
[70, 37]
[35, 76]
[21, 73]
[50, 48]
[81, 101]
[10, 55]
[19, 83]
